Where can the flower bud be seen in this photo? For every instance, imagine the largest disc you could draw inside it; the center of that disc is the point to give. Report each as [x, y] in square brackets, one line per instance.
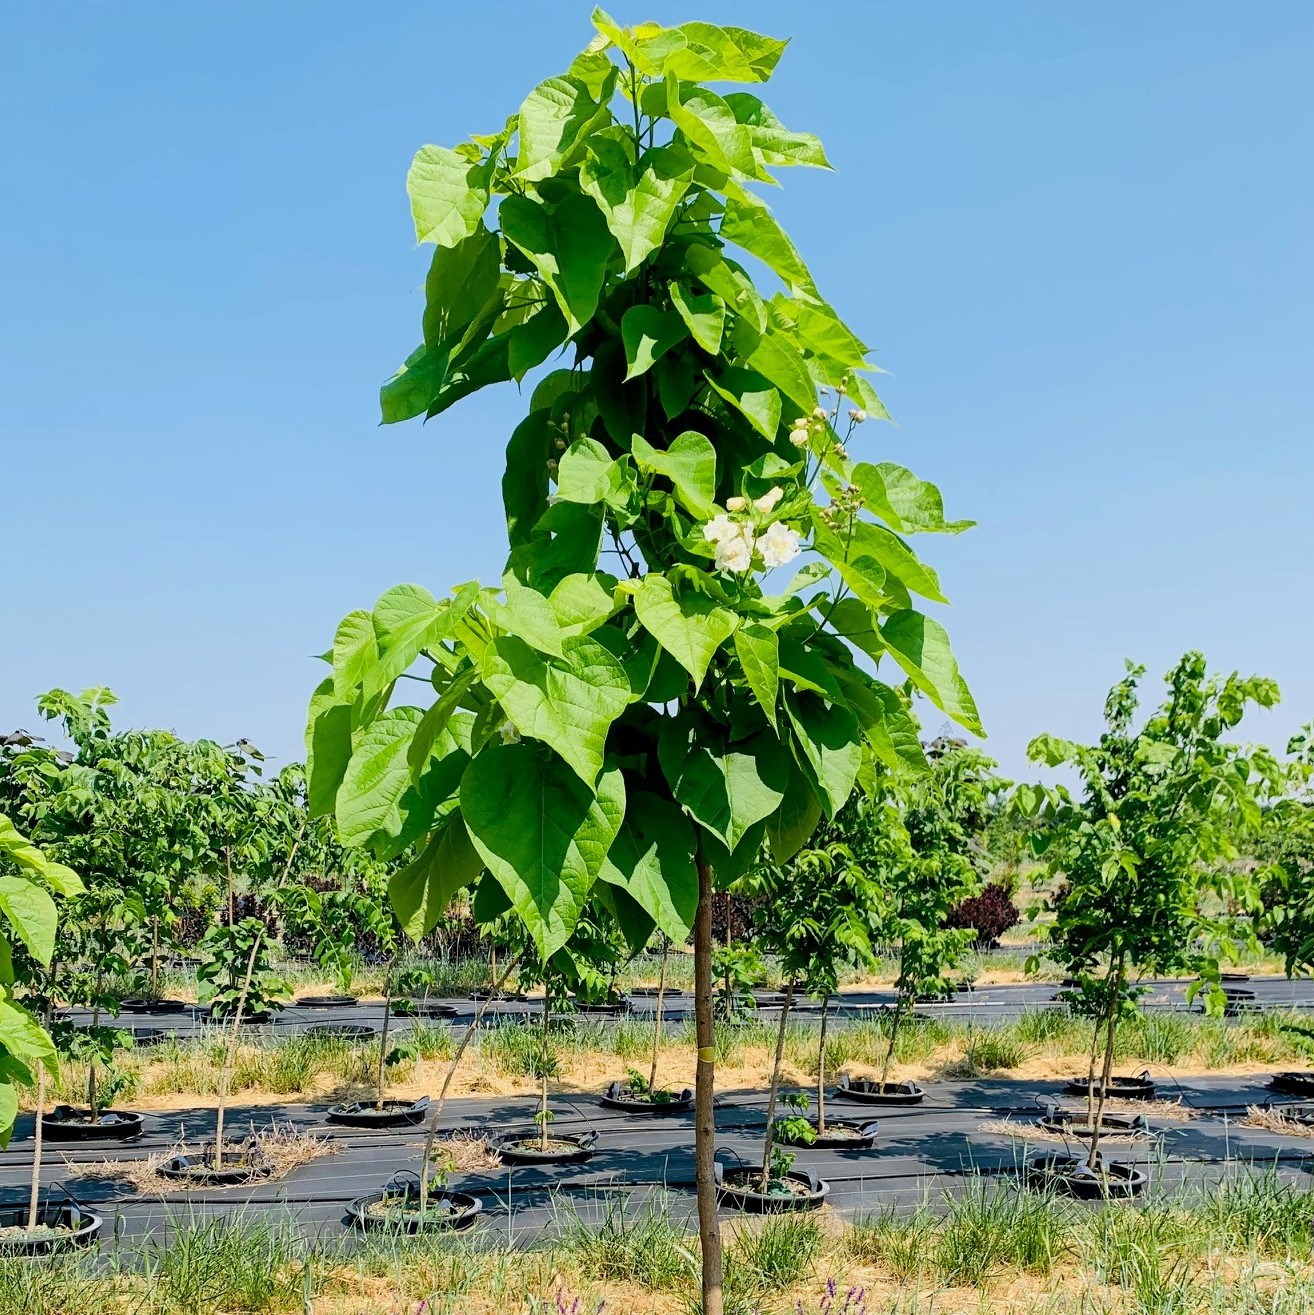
[552, 465]
[736, 504]
[799, 437]
[819, 412]
[857, 416]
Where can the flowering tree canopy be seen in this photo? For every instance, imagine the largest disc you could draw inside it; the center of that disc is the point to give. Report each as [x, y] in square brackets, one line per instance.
[639, 690]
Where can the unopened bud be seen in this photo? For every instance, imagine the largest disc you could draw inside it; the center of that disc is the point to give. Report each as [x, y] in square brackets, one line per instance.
[736, 504]
[857, 416]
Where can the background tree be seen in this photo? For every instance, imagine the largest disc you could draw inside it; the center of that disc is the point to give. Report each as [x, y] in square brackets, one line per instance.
[1285, 848]
[643, 724]
[1145, 848]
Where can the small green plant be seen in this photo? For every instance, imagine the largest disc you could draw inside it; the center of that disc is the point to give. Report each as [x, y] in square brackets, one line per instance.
[796, 1128]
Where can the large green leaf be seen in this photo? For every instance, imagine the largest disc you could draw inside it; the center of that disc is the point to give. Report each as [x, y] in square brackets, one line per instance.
[776, 359]
[525, 481]
[874, 543]
[689, 463]
[328, 747]
[758, 649]
[355, 651]
[726, 787]
[772, 141]
[649, 333]
[463, 281]
[638, 201]
[921, 647]
[568, 703]
[750, 224]
[752, 396]
[412, 389]
[553, 119]
[720, 54]
[528, 615]
[369, 800]
[568, 243]
[652, 858]
[542, 832]
[447, 197]
[422, 890]
[791, 826]
[830, 742]
[890, 728]
[24, 1037]
[689, 626]
[19, 849]
[907, 504]
[704, 314]
[582, 602]
[408, 620]
[589, 474]
[711, 129]
[30, 911]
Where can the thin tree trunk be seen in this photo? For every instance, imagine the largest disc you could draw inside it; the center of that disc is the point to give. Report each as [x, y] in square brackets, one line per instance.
[709, 1225]
[228, 870]
[543, 1070]
[383, 1039]
[657, 1025]
[230, 1056]
[1096, 1028]
[768, 1142]
[1108, 1062]
[155, 958]
[34, 1200]
[432, 1130]
[894, 1036]
[821, 1068]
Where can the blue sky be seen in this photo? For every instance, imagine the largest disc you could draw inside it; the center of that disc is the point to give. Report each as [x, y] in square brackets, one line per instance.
[1079, 236]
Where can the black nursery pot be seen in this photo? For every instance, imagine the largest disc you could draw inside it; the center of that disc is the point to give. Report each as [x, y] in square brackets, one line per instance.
[521, 1146]
[871, 1092]
[326, 1001]
[154, 1006]
[1072, 1123]
[342, 1031]
[219, 1014]
[66, 1123]
[149, 1036]
[1140, 1087]
[799, 1189]
[368, 1114]
[1293, 1084]
[620, 1097]
[396, 1209]
[840, 1135]
[238, 1166]
[1073, 1176]
[428, 1008]
[61, 1225]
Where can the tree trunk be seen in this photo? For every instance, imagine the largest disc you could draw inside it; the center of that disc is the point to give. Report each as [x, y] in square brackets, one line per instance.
[894, 1036]
[768, 1142]
[1096, 1027]
[821, 1068]
[34, 1200]
[155, 958]
[543, 1070]
[383, 1038]
[230, 1056]
[228, 871]
[1114, 1001]
[709, 1226]
[657, 1024]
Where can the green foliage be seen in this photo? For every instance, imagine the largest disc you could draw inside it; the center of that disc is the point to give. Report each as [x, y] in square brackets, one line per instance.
[236, 966]
[1286, 846]
[684, 439]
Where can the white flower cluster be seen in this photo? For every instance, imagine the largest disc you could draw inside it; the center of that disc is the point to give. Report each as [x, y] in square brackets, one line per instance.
[737, 540]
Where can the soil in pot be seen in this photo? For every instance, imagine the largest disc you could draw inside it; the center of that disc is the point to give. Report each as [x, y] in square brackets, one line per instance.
[58, 1226]
[840, 1135]
[873, 1092]
[397, 1209]
[527, 1147]
[343, 1031]
[620, 1097]
[326, 1001]
[375, 1114]
[1140, 1087]
[241, 1164]
[1293, 1084]
[1072, 1175]
[799, 1189]
[154, 1006]
[67, 1123]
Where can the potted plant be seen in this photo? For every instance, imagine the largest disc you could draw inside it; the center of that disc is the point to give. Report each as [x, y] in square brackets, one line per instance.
[1141, 848]
[642, 727]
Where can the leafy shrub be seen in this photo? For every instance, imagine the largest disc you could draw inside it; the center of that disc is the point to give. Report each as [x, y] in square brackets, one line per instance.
[989, 914]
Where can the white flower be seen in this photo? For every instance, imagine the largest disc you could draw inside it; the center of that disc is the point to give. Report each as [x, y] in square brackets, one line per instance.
[819, 412]
[508, 733]
[779, 545]
[736, 552]
[799, 437]
[720, 528]
[857, 416]
[768, 500]
[736, 504]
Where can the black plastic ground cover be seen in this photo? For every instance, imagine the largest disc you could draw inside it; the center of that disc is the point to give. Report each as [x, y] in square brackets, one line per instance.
[325, 1002]
[154, 1006]
[342, 1031]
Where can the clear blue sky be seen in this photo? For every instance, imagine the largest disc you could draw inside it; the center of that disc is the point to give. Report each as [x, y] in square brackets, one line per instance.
[1080, 236]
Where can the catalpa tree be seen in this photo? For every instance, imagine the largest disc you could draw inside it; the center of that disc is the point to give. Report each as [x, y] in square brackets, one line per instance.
[638, 705]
